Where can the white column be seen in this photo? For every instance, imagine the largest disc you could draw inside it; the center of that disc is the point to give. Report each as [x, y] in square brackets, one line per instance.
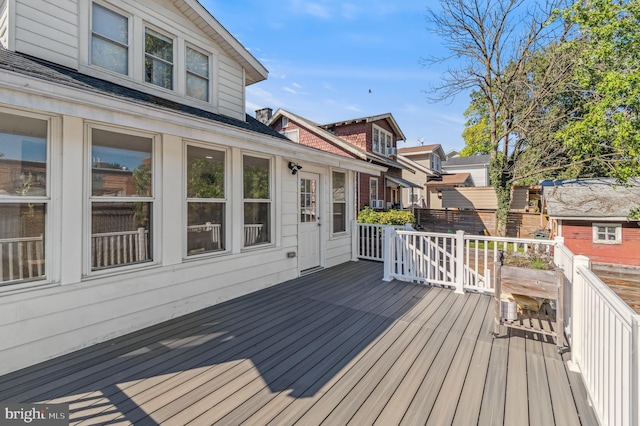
[172, 201]
[577, 313]
[355, 240]
[388, 258]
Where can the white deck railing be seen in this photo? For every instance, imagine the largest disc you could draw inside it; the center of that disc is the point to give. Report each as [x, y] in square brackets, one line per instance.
[119, 248]
[21, 258]
[603, 331]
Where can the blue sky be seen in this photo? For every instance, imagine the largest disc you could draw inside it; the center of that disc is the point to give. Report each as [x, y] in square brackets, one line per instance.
[324, 56]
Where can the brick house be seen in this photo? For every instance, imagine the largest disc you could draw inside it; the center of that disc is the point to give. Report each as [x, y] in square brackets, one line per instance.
[373, 139]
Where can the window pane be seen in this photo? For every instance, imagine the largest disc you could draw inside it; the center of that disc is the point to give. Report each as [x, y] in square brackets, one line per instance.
[256, 178]
[158, 45]
[23, 156]
[338, 186]
[197, 87]
[339, 217]
[121, 165]
[158, 73]
[109, 55]
[120, 234]
[110, 25]
[197, 63]
[205, 230]
[256, 223]
[22, 229]
[205, 173]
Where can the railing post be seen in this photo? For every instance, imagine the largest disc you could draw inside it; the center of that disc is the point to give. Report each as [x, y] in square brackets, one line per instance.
[141, 245]
[459, 262]
[635, 369]
[557, 254]
[355, 240]
[387, 252]
[577, 316]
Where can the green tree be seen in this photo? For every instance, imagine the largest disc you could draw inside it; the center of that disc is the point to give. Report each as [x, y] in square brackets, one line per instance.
[608, 73]
[476, 132]
[494, 43]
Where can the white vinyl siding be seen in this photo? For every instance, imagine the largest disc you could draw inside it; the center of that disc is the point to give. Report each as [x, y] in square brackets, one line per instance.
[230, 89]
[49, 32]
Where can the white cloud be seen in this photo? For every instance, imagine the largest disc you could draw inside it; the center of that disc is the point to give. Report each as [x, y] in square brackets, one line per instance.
[290, 90]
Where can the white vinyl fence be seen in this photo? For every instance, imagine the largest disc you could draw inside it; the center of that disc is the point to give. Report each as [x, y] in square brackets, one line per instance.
[603, 331]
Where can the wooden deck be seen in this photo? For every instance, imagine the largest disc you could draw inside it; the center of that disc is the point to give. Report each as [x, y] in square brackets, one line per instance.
[336, 347]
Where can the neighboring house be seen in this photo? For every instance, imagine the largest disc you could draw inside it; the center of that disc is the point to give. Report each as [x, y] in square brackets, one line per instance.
[476, 165]
[416, 197]
[372, 139]
[134, 188]
[592, 217]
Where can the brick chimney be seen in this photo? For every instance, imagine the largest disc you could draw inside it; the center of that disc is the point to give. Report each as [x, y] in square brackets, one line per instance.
[264, 115]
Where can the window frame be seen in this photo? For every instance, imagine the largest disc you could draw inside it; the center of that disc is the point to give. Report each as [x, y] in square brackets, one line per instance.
[226, 229]
[271, 200]
[153, 199]
[617, 233]
[174, 58]
[51, 232]
[372, 180]
[129, 46]
[385, 140]
[333, 202]
[209, 57]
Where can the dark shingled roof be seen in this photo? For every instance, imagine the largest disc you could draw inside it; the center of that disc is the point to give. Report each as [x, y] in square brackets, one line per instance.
[38, 68]
[473, 160]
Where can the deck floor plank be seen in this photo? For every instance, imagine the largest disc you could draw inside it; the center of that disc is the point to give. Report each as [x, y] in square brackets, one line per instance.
[339, 346]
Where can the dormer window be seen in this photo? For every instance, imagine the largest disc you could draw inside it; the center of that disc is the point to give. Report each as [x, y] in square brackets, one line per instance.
[382, 142]
[197, 74]
[109, 40]
[158, 60]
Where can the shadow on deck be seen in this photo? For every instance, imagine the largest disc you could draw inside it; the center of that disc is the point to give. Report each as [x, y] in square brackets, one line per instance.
[337, 346]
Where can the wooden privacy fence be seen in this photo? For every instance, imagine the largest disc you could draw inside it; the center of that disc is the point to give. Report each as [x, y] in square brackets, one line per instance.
[21, 258]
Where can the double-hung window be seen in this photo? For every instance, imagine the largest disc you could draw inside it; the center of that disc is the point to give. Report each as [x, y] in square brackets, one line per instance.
[121, 199]
[339, 201]
[197, 74]
[257, 200]
[109, 39]
[158, 59]
[206, 200]
[24, 197]
[373, 189]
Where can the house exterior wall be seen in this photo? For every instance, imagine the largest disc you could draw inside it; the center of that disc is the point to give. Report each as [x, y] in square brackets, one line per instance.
[357, 134]
[578, 237]
[479, 174]
[307, 138]
[60, 32]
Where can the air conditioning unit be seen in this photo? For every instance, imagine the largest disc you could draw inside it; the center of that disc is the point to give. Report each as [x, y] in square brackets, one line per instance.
[392, 151]
[376, 204]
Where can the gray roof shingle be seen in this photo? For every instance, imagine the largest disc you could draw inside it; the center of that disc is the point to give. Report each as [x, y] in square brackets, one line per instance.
[38, 68]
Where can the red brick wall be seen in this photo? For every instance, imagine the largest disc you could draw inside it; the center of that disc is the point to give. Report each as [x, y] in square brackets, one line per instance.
[578, 236]
[305, 137]
[358, 134]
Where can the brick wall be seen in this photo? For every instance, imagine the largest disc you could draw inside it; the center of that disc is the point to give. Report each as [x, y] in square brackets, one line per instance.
[358, 134]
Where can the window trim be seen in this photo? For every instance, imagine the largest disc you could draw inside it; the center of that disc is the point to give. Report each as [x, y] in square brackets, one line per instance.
[52, 228]
[271, 201]
[209, 78]
[382, 140]
[154, 199]
[617, 229]
[226, 200]
[174, 58]
[129, 37]
[371, 180]
[345, 202]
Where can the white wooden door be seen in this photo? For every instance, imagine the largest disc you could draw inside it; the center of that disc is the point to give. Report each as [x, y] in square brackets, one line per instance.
[309, 228]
